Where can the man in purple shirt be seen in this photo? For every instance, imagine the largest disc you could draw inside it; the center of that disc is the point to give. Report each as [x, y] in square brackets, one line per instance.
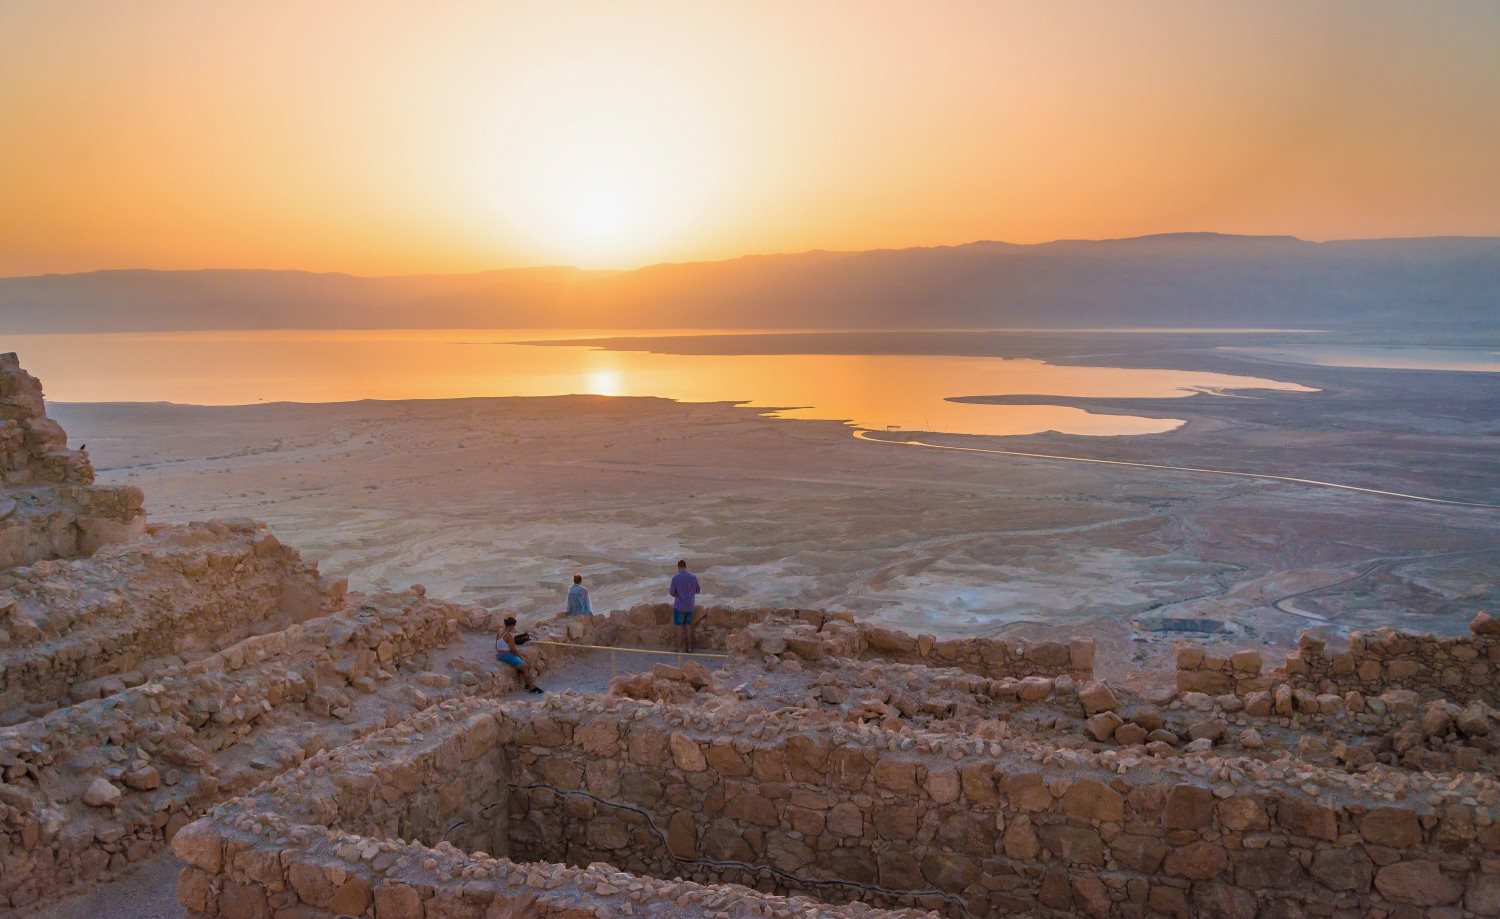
[684, 590]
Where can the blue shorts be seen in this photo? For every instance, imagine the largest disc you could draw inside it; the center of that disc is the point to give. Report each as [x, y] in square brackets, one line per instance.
[681, 618]
[505, 657]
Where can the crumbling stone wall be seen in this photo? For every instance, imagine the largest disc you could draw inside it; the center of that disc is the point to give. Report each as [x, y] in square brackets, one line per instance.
[815, 635]
[49, 506]
[104, 783]
[1460, 669]
[81, 629]
[833, 802]
[397, 799]
[649, 625]
[1004, 826]
[1239, 673]
[840, 635]
[295, 848]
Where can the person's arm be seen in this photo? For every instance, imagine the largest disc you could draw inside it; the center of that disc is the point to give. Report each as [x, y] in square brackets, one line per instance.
[672, 589]
[588, 604]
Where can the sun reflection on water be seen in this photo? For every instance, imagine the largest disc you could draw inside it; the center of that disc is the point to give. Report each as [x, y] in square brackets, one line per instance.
[872, 391]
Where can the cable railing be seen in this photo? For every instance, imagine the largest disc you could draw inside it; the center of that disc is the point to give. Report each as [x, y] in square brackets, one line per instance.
[612, 649]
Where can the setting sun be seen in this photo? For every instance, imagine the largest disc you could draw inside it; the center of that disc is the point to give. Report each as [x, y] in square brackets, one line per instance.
[601, 163]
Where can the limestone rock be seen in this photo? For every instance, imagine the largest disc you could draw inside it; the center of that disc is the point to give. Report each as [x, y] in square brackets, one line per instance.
[1484, 624]
[101, 793]
[1474, 720]
[1097, 697]
[1130, 733]
[1034, 688]
[145, 778]
[1102, 726]
[686, 753]
[1420, 883]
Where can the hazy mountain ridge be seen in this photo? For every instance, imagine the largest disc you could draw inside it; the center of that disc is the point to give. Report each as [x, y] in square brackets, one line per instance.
[1191, 279]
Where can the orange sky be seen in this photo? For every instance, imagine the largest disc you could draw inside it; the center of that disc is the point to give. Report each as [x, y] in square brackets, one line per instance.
[384, 138]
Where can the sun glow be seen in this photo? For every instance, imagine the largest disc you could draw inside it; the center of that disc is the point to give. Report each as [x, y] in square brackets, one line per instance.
[386, 138]
[603, 164]
[604, 383]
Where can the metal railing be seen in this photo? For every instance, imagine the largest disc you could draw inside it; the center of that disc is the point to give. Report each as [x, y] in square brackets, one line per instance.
[613, 649]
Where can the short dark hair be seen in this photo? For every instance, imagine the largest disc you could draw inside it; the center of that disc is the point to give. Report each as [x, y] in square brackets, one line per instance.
[577, 579]
[681, 563]
[510, 620]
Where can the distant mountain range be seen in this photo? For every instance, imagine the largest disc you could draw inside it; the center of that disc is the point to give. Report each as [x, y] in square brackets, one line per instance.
[1174, 280]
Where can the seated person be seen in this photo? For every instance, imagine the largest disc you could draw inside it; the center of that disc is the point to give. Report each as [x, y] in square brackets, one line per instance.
[506, 652]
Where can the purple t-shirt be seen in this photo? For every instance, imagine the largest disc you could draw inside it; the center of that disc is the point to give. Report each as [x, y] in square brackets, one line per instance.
[685, 591]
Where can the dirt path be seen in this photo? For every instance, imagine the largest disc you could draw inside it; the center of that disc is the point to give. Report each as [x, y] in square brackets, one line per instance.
[148, 890]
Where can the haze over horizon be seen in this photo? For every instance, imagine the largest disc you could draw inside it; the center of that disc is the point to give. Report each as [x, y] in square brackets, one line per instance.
[384, 140]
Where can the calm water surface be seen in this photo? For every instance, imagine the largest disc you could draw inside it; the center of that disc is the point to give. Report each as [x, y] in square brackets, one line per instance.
[868, 391]
[1394, 357]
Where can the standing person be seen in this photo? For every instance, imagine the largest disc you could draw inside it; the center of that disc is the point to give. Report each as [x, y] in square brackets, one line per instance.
[578, 598]
[506, 652]
[684, 590]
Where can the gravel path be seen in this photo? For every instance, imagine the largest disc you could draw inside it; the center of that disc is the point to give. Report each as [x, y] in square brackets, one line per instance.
[148, 890]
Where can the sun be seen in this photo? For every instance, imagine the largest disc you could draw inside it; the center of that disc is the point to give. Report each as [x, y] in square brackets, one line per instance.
[599, 167]
[596, 211]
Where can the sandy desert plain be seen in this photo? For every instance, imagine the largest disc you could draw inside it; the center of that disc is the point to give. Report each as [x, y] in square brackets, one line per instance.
[498, 501]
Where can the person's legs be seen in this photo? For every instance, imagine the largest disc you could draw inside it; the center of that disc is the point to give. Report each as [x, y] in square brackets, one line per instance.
[688, 632]
[516, 663]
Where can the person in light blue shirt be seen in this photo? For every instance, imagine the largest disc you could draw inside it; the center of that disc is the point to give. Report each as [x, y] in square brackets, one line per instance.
[578, 598]
[684, 590]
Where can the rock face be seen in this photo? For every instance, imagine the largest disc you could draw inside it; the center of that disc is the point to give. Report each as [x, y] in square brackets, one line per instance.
[50, 507]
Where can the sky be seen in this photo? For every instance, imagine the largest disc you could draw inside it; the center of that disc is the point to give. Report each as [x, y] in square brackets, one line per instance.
[397, 138]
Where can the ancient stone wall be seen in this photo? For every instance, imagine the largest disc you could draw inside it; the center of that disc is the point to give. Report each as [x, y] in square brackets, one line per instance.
[842, 636]
[817, 634]
[1460, 669]
[649, 625]
[995, 827]
[49, 506]
[299, 845]
[81, 629]
[105, 782]
[469, 809]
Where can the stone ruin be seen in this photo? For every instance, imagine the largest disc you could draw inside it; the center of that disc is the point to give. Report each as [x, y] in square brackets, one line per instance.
[50, 507]
[310, 752]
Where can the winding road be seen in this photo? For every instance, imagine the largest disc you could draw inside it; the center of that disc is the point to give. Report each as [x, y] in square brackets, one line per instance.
[1374, 565]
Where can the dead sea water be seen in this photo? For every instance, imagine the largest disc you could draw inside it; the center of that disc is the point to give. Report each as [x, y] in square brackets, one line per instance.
[870, 391]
